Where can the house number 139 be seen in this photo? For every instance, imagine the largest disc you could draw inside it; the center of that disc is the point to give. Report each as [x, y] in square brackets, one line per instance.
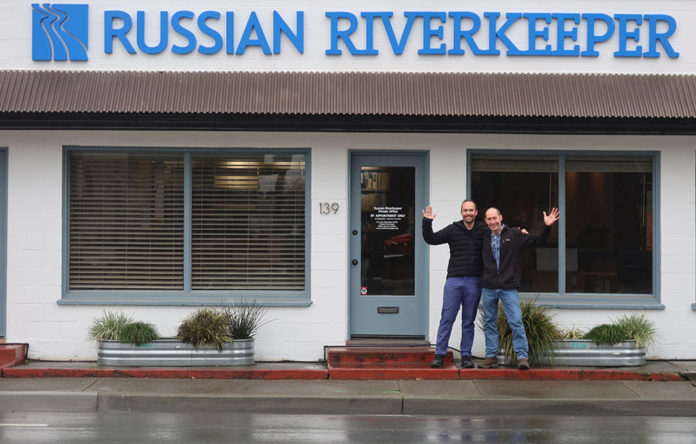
[328, 207]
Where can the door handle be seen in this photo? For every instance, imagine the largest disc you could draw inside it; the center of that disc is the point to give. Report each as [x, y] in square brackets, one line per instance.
[354, 262]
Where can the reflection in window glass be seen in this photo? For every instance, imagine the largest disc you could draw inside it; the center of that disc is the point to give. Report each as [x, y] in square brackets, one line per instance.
[608, 225]
[522, 188]
[608, 218]
[387, 204]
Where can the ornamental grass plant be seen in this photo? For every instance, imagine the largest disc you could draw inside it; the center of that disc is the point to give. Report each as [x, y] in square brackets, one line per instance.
[639, 328]
[572, 333]
[108, 326]
[607, 334]
[138, 333]
[636, 327]
[244, 319]
[206, 326]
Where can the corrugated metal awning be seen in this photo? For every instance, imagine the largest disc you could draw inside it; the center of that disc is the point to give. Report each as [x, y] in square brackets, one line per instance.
[350, 94]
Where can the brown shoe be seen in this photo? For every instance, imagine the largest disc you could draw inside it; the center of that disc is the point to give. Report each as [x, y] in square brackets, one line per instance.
[489, 362]
[523, 364]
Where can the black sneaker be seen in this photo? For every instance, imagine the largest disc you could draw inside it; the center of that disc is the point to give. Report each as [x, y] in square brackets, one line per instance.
[438, 362]
[467, 362]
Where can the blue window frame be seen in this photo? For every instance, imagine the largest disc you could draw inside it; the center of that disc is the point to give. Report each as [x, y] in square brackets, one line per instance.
[605, 251]
[3, 241]
[147, 226]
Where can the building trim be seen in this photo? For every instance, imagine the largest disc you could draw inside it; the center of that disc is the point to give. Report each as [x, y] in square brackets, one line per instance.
[347, 123]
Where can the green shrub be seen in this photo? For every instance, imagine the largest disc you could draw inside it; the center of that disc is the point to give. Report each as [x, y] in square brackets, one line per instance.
[245, 319]
[138, 333]
[108, 326]
[205, 327]
[607, 334]
[637, 327]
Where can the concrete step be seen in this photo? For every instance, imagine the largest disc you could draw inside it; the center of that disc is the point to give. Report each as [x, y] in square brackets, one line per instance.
[383, 357]
[361, 363]
[11, 354]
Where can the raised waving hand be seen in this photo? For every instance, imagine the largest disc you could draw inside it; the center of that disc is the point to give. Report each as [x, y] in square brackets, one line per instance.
[428, 212]
[552, 217]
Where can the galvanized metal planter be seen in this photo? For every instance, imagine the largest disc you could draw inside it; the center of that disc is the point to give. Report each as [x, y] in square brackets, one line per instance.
[585, 353]
[174, 353]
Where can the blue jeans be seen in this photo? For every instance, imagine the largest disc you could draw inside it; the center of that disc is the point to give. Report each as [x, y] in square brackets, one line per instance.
[511, 306]
[464, 291]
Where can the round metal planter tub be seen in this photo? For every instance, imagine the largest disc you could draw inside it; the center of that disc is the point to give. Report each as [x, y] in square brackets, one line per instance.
[585, 353]
[174, 353]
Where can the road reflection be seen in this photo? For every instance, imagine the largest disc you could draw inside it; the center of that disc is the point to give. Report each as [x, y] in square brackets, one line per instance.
[38, 427]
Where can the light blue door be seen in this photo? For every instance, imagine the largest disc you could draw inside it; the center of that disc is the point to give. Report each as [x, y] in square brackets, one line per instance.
[3, 242]
[387, 262]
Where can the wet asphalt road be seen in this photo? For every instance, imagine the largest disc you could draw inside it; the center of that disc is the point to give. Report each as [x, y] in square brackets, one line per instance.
[134, 428]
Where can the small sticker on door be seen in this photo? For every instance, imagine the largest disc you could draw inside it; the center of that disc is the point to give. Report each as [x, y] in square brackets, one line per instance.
[363, 291]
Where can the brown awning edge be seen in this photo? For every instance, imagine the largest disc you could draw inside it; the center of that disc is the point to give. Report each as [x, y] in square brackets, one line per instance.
[349, 101]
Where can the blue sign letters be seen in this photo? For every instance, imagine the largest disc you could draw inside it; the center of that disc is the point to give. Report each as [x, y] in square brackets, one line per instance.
[60, 31]
[344, 25]
[118, 26]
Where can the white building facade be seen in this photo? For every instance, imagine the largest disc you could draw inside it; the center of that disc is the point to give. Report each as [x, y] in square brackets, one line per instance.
[157, 213]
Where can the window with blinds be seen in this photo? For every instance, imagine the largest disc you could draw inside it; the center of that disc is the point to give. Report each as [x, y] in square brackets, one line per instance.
[126, 221]
[248, 222]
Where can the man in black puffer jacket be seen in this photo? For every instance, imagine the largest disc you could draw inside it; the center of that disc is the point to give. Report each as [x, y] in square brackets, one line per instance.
[463, 285]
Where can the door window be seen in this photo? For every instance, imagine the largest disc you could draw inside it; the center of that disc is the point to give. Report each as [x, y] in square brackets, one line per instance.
[387, 206]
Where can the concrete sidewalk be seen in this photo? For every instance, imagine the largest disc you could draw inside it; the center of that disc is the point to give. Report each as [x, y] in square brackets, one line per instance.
[471, 396]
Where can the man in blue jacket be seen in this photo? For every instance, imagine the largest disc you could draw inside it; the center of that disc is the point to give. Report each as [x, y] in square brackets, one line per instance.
[501, 281]
[463, 284]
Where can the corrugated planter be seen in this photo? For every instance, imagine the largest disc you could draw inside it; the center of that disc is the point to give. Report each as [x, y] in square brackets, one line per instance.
[585, 353]
[174, 353]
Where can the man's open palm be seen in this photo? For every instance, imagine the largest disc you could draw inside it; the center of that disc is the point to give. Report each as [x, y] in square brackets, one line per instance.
[428, 212]
[552, 217]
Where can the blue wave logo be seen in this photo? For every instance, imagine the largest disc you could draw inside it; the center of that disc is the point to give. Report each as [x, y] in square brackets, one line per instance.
[59, 32]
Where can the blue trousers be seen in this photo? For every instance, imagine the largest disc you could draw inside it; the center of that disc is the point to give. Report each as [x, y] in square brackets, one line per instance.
[511, 305]
[465, 292]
